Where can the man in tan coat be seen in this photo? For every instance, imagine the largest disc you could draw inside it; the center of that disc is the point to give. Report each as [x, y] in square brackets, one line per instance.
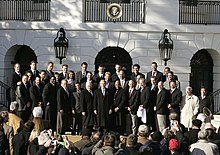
[13, 120]
[189, 108]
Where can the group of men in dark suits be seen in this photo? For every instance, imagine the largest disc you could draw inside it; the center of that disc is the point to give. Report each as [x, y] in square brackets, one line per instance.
[103, 101]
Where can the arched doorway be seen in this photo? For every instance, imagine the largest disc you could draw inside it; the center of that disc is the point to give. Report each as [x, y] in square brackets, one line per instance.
[110, 56]
[201, 71]
[24, 56]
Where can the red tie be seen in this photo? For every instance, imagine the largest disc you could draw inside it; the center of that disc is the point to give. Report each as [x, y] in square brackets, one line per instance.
[130, 93]
[154, 73]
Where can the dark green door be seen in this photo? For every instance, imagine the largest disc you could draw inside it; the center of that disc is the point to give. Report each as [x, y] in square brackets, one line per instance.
[110, 56]
[201, 71]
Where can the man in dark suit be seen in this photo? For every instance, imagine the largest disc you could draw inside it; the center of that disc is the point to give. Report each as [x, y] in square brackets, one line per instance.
[86, 106]
[123, 80]
[50, 102]
[119, 108]
[151, 122]
[102, 103]
[144, 94]
[23, 99]
[65, 108]
[29, 75]
[42, 76]
[100, 75]
[136, 72]
[161, 107]
[205, 101]
[165, 76]
[15, 81]
[64, 73]
[33, 70]
[176, 98]
[49, 72]
[192, 135]
[77, 117]
[171, 78]
[109, 84]
[89, 79]
[81, 75]
[115, 76]
[132, 107]
[36, 93]
[154, 72]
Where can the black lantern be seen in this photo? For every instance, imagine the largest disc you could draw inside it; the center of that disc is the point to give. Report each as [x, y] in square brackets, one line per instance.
[165, 46]
[61, 45]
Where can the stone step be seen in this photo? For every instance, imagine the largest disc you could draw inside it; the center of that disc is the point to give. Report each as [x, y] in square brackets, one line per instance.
[216, 122]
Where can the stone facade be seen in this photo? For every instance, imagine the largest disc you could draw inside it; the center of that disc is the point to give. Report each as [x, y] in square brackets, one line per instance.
[87, 39]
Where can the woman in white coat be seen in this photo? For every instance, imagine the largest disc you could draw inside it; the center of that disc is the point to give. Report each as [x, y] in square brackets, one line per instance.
[189, 108]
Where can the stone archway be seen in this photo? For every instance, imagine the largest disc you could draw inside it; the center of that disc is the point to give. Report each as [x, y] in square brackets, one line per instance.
[201, 71]
[110, 56]
[22, 54]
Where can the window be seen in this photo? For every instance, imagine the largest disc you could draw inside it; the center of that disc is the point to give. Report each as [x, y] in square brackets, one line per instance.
[26, 10]
[131, 11]
[199, 12]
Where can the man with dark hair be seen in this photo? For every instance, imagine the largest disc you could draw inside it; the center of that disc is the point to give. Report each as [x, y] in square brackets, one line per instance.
[107, 147]
[33, 70]
[136, 72]
[132, 107]
[64, 73]
[131, 144]
[165, 76]
[42, 76]
[29, 75]
[81, 75]
[205, 101]
[192, 135]
[36, 93]
[176, 98]
[100, 75]
[119, 108]
[49, 72]
[171, 78]
[154, 72]
[154, 146]
[50, 103]
[95, 138]
[77, 117]
[79, 145]
[115, 76]
[151, 104]
[23, 99]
